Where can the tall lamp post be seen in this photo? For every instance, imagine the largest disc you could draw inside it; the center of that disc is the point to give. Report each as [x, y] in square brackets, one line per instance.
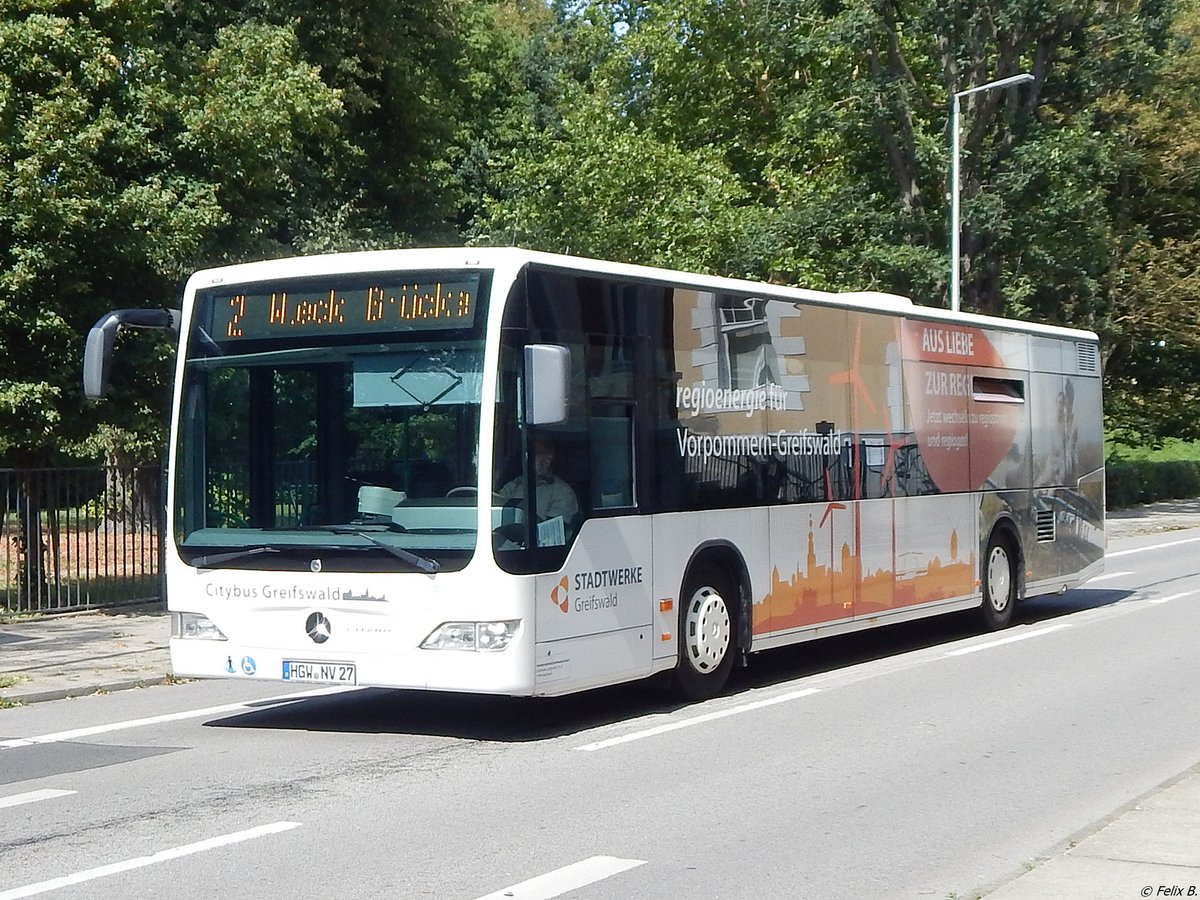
[955, 282]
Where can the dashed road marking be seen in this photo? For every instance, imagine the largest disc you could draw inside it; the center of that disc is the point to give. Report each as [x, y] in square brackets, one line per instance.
[568, 878]
[32, 797]
[1117, 553]
[1106, 576]
[106, 728]
[698, 720]
[42, 887]
[1012, 639]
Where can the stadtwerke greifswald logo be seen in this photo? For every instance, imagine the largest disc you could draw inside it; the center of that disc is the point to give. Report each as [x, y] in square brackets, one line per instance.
[560, 595]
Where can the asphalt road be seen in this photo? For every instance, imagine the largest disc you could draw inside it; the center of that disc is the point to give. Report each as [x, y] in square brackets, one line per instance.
[924, 760]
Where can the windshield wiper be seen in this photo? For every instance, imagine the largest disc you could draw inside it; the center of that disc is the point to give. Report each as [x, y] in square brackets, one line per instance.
[215, 559]
[208, 343]
[424, 563]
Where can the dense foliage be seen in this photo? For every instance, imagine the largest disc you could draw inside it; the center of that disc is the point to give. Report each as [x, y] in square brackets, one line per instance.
[1130, 482]
[805, 141]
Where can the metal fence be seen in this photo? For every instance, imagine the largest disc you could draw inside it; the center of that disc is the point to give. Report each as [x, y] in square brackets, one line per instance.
[80, 538]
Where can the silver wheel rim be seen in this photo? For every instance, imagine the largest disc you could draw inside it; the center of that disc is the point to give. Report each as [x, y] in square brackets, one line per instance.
[706, 630]
[999, 577]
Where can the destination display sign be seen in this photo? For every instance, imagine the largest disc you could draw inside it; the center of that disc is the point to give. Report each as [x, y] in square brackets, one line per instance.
[413, 301]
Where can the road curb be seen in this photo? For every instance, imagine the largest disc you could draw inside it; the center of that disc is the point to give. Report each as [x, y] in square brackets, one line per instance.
[88, 690]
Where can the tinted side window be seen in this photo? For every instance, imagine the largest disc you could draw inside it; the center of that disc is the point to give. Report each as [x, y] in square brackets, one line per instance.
[600, 450]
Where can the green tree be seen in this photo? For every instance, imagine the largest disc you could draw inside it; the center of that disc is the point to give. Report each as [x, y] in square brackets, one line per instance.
[596, 186]
[396, 68]
[1152, 335]
[831, 121]
[809, 143]
[805, 142]
[140, 140]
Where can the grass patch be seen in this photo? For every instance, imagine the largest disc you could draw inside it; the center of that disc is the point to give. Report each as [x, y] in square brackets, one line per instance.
[7, 681]
[1172, 450]
[1170, 471]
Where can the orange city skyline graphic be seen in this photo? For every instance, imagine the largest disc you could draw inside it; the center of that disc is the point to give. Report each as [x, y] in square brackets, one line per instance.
[817, 593]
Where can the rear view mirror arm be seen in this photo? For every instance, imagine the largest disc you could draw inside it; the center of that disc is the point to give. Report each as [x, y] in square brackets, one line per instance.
[97, 358]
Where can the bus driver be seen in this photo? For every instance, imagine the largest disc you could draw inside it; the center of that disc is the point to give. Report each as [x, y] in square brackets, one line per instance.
[555, 498]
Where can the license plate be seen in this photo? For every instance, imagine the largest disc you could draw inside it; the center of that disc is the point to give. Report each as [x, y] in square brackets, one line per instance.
[325, 672]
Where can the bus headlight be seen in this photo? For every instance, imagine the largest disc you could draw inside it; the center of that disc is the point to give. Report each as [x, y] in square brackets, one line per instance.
[195, 627]
[484, 636]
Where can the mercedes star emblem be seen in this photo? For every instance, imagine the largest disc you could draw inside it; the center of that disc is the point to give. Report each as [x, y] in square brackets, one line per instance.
[318, 628]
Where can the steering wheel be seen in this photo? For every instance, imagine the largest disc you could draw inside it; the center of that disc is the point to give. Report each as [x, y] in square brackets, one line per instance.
[468, 490]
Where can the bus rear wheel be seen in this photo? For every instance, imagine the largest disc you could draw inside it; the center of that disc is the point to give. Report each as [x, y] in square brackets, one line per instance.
[706, 633]
[999, 584]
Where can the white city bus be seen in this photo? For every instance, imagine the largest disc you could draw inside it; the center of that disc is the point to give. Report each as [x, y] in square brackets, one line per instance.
[736, 467]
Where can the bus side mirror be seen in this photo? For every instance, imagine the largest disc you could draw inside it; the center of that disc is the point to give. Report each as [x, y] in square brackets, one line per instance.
[97, 356]
[547, 371]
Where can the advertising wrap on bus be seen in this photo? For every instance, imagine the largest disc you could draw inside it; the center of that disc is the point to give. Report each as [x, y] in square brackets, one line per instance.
[925, 420]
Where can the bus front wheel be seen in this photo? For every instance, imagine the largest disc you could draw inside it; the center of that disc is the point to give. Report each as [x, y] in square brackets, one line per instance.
[999, 584]
[706, 633]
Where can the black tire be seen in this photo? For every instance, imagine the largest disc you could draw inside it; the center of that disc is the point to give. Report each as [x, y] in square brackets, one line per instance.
[999, 584]
[707, 633]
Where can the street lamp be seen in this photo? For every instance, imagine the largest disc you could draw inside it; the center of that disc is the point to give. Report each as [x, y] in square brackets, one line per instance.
[954, 226]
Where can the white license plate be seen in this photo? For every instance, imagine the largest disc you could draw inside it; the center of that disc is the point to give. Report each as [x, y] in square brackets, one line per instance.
[325, 672]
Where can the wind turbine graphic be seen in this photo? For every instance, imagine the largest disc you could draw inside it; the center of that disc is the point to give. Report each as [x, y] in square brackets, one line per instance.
[853, 377]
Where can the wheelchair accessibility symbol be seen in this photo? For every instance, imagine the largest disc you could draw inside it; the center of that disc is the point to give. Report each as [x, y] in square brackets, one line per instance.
[248, 665]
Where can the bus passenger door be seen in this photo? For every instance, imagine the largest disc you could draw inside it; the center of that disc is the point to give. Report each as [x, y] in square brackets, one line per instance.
[594, 624]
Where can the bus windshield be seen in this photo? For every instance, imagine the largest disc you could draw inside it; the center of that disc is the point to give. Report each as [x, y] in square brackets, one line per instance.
[332, 421]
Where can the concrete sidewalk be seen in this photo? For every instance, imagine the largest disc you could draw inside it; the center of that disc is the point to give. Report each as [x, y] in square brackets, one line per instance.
[1153, 518]
[1150, 848]
[55, 656]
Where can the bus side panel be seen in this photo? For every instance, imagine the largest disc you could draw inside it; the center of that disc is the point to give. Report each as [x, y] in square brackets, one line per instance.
[1066, 536]
[812, 574]
[680, 537]
[593, 617]
[595, 660]
[998, 417]
[1079, 522]
[833, 562]
[933, 556]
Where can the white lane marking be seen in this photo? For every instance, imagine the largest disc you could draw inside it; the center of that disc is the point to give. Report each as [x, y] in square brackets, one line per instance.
[1170, 597]
[32, 797]
[93, 730]
[698, 720]
[1151, 547]
[1023, 636]
[1106, 576]
[225, 840]
[568, 878]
